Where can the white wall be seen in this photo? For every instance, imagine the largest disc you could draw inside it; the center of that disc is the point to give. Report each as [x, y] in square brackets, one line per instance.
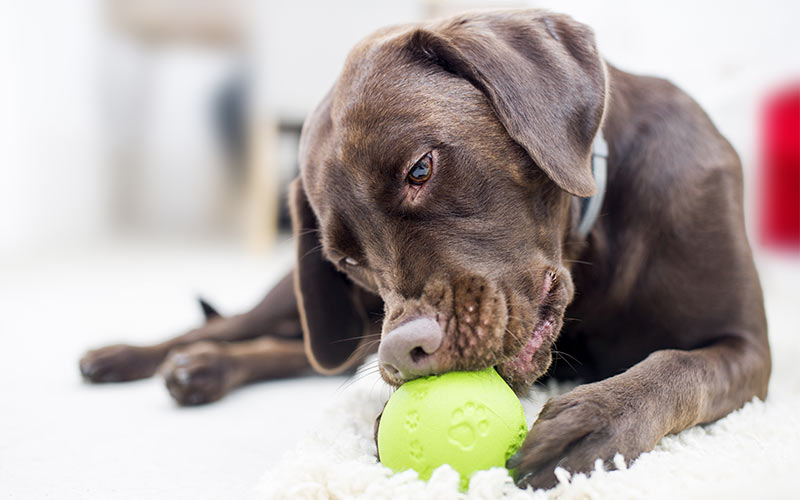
[55, 180]
[300, 45]
[53, 185]
[171, 178]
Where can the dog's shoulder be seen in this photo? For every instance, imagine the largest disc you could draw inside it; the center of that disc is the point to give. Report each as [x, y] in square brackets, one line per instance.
[666, 152]
[658, 123]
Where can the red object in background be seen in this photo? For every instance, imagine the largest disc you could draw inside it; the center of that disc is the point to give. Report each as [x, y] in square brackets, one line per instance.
[780, 169]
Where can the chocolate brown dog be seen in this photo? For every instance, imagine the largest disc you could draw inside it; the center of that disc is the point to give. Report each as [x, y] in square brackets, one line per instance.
[441, 189]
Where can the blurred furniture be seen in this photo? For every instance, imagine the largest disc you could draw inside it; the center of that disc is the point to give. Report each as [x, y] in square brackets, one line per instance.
[290, 51]
[222, 27]
[216, 22]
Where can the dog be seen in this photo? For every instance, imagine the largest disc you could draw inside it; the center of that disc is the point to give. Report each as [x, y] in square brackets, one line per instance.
[441, 210]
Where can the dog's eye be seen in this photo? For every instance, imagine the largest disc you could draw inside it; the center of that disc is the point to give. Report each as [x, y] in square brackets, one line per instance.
[350, 261]
[421, 171]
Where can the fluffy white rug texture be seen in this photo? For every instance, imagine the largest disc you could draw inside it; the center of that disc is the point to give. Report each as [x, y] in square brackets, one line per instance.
[753, 452]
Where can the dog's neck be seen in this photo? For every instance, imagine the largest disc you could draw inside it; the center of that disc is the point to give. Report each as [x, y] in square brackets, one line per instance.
[590, 207]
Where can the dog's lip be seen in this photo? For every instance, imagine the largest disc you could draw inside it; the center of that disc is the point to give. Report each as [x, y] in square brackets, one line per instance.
[521, 361]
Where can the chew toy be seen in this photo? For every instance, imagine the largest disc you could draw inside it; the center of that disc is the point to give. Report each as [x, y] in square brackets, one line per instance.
[469, 420]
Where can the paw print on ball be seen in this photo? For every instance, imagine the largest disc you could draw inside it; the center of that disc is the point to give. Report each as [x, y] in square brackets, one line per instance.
[415, 451]
[421, 393]
[412, 421]
[467, 423]
[513, 447]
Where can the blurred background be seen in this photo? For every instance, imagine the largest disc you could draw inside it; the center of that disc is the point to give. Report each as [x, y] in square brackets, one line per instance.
[145, 148]
[176, 121]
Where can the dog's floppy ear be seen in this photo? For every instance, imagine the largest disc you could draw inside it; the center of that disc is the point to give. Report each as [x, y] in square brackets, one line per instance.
[333, 311]
[543, 77]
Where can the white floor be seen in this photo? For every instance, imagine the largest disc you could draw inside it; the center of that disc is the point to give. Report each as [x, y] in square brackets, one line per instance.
[61, 438]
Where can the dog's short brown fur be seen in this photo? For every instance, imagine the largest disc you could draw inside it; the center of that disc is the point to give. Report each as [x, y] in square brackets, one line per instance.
[660, 306]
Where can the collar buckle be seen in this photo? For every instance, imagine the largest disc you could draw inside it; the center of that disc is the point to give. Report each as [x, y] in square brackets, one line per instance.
[590, 207]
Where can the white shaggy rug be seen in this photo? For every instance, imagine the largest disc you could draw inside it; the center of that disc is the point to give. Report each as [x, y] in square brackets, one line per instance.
[752, 453]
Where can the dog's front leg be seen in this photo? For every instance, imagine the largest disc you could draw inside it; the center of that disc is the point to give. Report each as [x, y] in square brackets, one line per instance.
[275, 316]
[204, 372]
[667, 392]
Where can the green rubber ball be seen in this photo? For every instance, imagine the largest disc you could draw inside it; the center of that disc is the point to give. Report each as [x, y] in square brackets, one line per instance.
[470, 420]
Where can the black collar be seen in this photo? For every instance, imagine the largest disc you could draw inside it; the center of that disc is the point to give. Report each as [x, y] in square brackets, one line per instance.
[590, 207]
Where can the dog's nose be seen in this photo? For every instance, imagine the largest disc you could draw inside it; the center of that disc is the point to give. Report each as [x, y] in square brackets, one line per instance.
[407, 351]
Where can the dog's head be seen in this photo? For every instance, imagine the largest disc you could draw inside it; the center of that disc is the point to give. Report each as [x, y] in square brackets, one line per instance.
[438, 174]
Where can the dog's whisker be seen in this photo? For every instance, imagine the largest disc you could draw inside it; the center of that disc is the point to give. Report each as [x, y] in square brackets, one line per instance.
[310, 251]
[364, 348]
[373, 362]
[351, 380]
[576, 261]
[559, 355]
[367, 366]
[515, 337]
[356, 338]
[563, 353]
[307, 231]
[359, 376]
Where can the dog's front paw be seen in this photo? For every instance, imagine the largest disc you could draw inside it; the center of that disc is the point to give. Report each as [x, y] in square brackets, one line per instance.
[119, 363]
[198, 373]
[573, 431]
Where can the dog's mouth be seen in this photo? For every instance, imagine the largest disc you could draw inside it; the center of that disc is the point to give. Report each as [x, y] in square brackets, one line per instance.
[522, 368]
[508, 329]
[532, 356]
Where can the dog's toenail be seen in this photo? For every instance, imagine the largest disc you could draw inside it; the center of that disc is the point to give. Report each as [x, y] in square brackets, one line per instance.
[181, 375]
[180, 359]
